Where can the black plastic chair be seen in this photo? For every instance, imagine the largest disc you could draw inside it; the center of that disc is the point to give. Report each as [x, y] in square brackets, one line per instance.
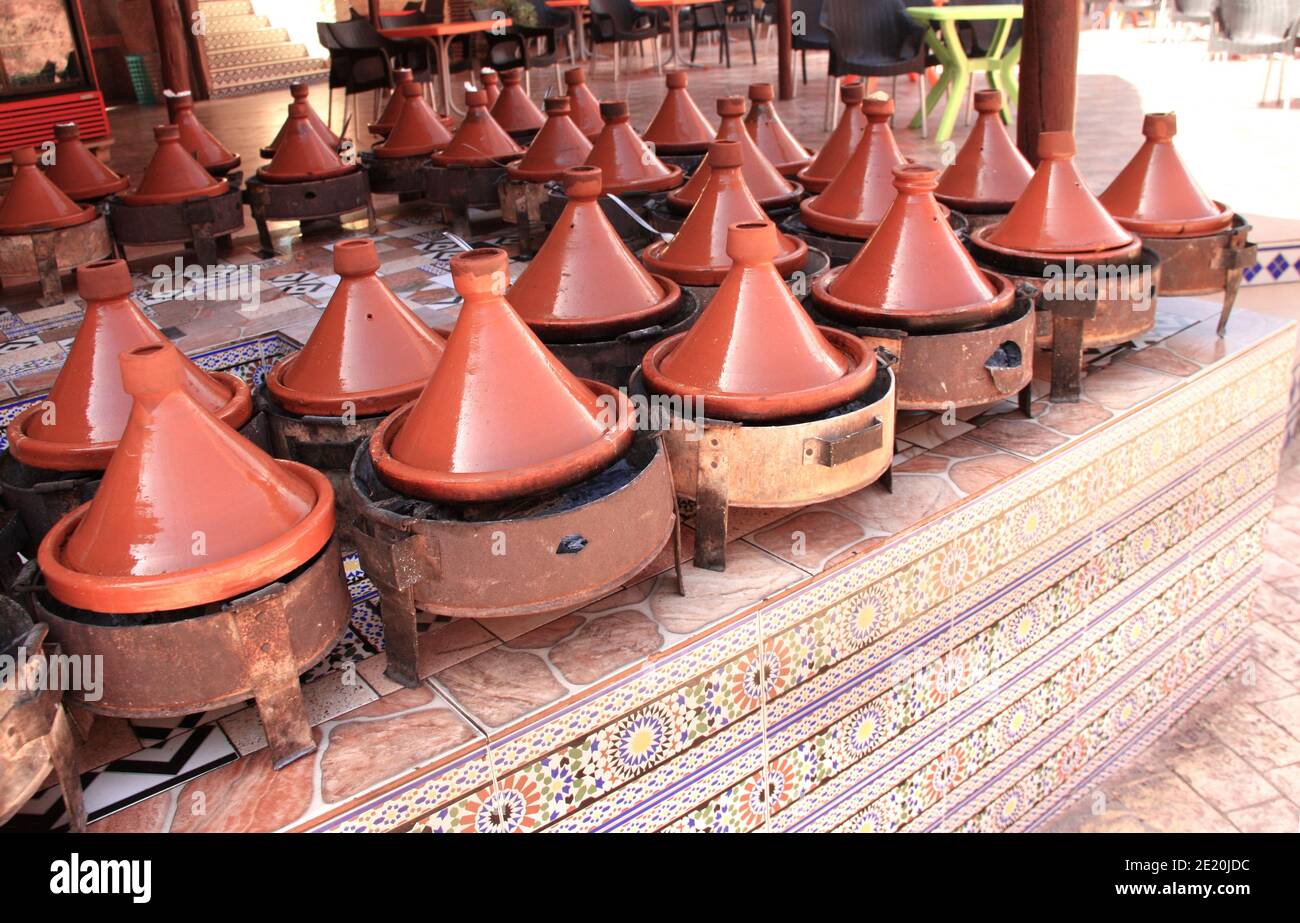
[875, 38]
[618, 21]
[1197, 12]
[360, 59]
[1257, 27]
[556, 25]
[808, 31]
[711, 18]
[513, 49]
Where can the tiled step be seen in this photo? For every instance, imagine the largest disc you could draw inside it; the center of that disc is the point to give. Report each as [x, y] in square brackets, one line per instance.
[241, 81]
[224, 25]
[226, 7]
[255, 55]
[225, 41]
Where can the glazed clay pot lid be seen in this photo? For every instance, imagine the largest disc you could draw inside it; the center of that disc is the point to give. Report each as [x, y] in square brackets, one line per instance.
[1155, 196]
[259, 518]
[301, 156]
[629, 167]
[479, 141]
[773, 138]
[74, 441]
[559, 144]
[388, 118]
[583, 105]
[301, 93]
[839, 147]
[583, 256]
[1057, 214]
[501, 417]
[989, 173]
[215, 157]
[679, 127]
[513, 110]
[916, 320]
[754, 354]
[369, 353]
[417, 132]
[768, 187]
[34, 203]
[172, 175]
[77, 171]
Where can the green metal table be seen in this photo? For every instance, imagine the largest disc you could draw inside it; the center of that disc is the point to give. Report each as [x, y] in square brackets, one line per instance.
[999, 63]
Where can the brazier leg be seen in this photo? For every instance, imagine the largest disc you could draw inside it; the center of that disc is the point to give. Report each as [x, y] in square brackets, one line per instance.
[268, 658]
[711, 502]
[1067, 358]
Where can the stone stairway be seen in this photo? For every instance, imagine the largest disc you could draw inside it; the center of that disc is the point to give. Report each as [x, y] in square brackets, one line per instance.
[247, 54]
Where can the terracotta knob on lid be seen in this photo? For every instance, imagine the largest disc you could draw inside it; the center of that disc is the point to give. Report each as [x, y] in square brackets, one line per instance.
[35, 203]
[104, 279]
[676, 80]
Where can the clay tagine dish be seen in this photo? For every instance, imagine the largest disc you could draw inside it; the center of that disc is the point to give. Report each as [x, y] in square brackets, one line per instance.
[190, 524]
[77, 171]
[1204, 247]
[514, 110]
[559, 145]
[839, 147]
[785, 412]
[989, 173]
[778, 143]
[479, 141]
[584, 107]
[679, 127]
[698, 254]
[302, 156]
[196, 140]
[768, 187]
[469, 172]
[34, 203]
[628, 165]
[417, 130]
[393, 108]
[173, 176]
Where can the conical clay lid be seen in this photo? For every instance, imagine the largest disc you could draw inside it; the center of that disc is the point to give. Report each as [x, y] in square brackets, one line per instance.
[679, 127]
[77, 427]
[766, 185]
[513, 110]
[913, 272]
[301, 92]
[778, 143]
[584, 282]
[754, 353]
[989, 173]
[501, 417]
[418, 131]
[1056, 213]
[584, 107]
[196, 140]
[173, 176]
[77, 171]
[855, 201]
[188, 512]
[301, 155]
[626, 163]
[840, 145]
[697, 254]
[479, 141]
[1155, 195]
[369, 352]
[388, 118]
[559, 145]
[34, 203]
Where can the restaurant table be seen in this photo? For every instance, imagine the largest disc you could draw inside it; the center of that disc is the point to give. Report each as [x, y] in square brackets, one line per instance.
[999, 63]
[674, 7]
[577, 9]
[440, 34]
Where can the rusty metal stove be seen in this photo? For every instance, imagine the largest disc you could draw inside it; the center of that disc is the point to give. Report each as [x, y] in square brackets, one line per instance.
[37, 735]
[457, 188]
[556, 551]
[193, 660]
[49, 254]
[1206, 264]
[204, 222]
[307, 202]
[400, 176]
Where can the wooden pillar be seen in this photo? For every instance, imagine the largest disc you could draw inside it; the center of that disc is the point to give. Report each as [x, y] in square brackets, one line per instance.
[174, 56]
[784, 49]
[374, 13]
[1049, 64]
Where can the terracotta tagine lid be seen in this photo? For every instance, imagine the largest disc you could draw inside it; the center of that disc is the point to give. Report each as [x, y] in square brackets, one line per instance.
[77, 171]
[754, 354]
[778, 143]
[989, 173]
[1155, 195]
[78, 426]
[301, 92]
[418, 130]
[34, 203]
[914, 271]
[369, 353]
[491, 85]
[584, 282]
[839, 147]
[513, 110]
[302, 156]
[501, 417]
[172, 175]
[855, 201]
[479, 141]
[189, 512]
[584, 108]
[559, 145]
[679, 127]
[1056, 213]
[698, 254]
[627, 164]
[766, 185]
[196, 140]
[388, 118]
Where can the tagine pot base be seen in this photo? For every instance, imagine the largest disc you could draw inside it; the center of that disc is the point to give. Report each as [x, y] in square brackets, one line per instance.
[1203, 265]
